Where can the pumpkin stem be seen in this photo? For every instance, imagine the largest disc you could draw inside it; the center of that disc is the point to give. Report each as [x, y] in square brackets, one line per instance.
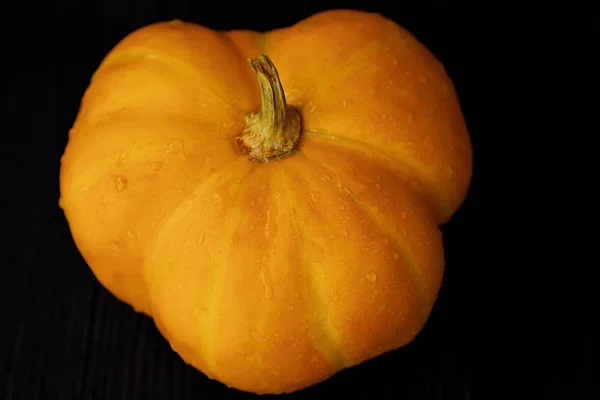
[273, 131]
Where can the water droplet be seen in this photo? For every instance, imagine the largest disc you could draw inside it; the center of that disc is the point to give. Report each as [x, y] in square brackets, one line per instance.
[395, 62]
[291, 307]
[123, 156]
[344, 103]
[156, 165]
[216, 198]
[395, 255]
[252, 227]
[315, 197]
[176, 146]
[334, 296]
[371, 277]
[266, 230]
[377, 185]
[422, 78]
[114, 246]
[132, 235]
[266, 280]
[296, 294]
[120, 183]
[189, 203]
[345, 233]
[326, 178]
[201, 237]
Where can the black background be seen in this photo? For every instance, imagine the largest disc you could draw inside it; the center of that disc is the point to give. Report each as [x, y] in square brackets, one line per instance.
[63, 336]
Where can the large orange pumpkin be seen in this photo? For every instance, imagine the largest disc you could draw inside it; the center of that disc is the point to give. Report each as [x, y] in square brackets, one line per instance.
[278, 221]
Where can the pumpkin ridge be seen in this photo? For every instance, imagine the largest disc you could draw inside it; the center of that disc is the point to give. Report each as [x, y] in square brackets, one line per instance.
[436, 198]
[316, 299]
[349, 65]
[210, 330]
[141, 55]
[103, 164]
[414, 271]
[152, 247]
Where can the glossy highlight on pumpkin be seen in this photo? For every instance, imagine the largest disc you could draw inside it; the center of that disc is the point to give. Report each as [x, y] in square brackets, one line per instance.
[270, 276]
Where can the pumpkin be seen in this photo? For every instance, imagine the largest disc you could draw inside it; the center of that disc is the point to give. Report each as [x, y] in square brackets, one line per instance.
[279, 221]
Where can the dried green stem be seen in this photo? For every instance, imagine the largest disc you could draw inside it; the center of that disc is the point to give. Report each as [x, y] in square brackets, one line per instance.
[273, 131]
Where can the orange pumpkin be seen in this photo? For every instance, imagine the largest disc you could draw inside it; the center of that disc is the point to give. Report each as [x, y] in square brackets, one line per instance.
[279, 222]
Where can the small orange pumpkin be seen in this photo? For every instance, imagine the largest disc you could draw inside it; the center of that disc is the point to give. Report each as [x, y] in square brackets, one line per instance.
[279, 222]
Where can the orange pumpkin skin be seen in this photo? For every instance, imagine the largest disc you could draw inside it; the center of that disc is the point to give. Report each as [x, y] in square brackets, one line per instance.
[270, 276]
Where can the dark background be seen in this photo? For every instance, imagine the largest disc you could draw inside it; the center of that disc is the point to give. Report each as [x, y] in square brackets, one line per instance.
[63, 336]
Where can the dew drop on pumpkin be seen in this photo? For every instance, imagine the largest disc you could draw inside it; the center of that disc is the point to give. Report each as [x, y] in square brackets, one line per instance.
[156, 165]
[175, 146]
[422, 78]
[395, 255]
[120, 183]
[201, 237]
[132, 235]
[372, 277]
[266, 280]
[334, 296]
[345, 233]
[291, 307]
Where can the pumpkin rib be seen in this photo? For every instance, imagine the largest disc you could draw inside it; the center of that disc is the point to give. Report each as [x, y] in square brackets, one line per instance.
[96, 175]
[336, 355]
[206, 350]
[349, 65]
[225, 236]
[95, 140]
[414, 271]
[435, 197]
[140, 55]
